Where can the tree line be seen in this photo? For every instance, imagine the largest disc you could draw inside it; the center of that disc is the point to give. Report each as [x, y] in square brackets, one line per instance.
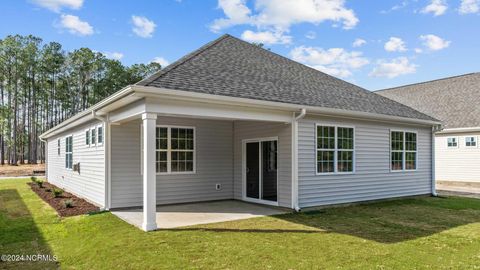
[41, 85]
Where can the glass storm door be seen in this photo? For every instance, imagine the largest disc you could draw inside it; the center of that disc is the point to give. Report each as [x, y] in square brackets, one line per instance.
[261, 171]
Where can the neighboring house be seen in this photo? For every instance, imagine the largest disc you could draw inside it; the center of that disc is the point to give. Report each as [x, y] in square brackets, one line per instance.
[234, 121]
[456, 102]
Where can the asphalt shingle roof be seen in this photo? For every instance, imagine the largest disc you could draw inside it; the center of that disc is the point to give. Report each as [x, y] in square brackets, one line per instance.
[454, 100]
[229, 66]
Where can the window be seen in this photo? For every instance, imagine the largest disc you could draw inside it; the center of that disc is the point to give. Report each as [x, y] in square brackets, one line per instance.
[175, 149]
[58, 146]
[100, 135]
[87, 137]
[93, 133]
[403, 151]
[335, 149]
[181, 149]
[68, 152]
[452, 142]
[470, 141]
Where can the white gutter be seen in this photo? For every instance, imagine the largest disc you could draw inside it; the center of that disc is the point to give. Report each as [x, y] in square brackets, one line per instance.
[295, 120]
[88, 112]
[459, 130]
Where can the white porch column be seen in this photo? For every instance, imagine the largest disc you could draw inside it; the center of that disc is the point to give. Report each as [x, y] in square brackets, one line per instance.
[149, 174]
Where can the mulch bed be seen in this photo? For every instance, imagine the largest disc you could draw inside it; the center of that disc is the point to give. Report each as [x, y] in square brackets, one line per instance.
[80, 206]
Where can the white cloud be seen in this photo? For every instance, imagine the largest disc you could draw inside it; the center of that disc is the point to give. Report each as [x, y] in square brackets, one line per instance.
[311, 35]
[469, 6]
[75, 26]
[418, 50]
[434, 43]
[114, 55]
[395, 44]
[359, 42]
[334, 61]
[437, 7]
[394, 68]
[266, 37]
[57, 5]
[279, 15]
[142, 26]
[162, 61]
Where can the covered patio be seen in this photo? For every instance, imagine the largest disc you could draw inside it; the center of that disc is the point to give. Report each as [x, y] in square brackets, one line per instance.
[188, 214]
[170, 159]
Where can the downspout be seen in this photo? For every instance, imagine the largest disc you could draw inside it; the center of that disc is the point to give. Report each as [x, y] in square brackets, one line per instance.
[46, 157]
[106, 158]
[434, 190]
[295, 120]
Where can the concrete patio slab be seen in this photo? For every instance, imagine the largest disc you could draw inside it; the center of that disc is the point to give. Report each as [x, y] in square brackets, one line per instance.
[180, 215]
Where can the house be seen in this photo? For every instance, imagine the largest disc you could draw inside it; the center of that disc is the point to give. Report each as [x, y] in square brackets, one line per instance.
[455, 101]
[234, 121]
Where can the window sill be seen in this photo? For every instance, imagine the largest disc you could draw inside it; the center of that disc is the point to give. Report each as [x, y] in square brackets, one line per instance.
[175, 173]
[334, 173]
[403, 171]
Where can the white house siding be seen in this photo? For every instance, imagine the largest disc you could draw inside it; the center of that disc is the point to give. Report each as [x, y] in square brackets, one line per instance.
[90, 182]
[214, 153]
[458, 164]
[372, 178]
[253, 130]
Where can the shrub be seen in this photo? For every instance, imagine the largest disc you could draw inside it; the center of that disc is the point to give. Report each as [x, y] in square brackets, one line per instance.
[40, 183]
[48, 190]
[57, 192]
[34, 179]
[68, 203]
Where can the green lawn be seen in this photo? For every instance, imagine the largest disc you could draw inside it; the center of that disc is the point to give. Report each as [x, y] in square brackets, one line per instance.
[424, 233]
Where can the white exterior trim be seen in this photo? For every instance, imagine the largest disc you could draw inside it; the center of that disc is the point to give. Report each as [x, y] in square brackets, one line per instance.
[457, 139]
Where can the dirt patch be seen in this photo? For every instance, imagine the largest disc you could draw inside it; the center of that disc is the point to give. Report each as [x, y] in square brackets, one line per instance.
[22, 170]
[80, 206]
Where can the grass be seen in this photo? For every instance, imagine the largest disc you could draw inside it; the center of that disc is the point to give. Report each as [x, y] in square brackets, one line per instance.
[423, 233]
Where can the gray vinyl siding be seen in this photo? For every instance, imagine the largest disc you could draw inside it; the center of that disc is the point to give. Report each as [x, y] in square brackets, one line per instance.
[372, 178]
[459, 164]
[214, 151]
[253, 130]
[90, 182]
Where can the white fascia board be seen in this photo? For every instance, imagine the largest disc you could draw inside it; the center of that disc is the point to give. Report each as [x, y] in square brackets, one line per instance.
[148, 91]
[78, 118]
[459, 130]
[128, 112]
[195, 109]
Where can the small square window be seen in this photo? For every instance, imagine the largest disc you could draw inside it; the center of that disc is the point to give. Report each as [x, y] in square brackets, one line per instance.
[452, 142]
[471, 141]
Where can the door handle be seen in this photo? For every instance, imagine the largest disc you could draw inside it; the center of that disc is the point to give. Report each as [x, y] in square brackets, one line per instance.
[248, 170]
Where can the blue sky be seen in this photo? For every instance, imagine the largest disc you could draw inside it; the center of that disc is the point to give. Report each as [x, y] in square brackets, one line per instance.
[374, 44]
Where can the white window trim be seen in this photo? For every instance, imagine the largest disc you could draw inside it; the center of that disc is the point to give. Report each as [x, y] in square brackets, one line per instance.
[91, 141]
[335, 156]
[89, 137]
[103, 133]
[68, 136]
[465, 140]
[458, 142]
[169, 150]
[404, 151]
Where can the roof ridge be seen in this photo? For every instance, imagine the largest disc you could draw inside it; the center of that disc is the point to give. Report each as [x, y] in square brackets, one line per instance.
[181, 61]
[429, 81]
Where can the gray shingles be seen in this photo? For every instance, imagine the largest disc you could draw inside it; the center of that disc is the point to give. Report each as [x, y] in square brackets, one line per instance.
[231, 67]
[454, 100]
